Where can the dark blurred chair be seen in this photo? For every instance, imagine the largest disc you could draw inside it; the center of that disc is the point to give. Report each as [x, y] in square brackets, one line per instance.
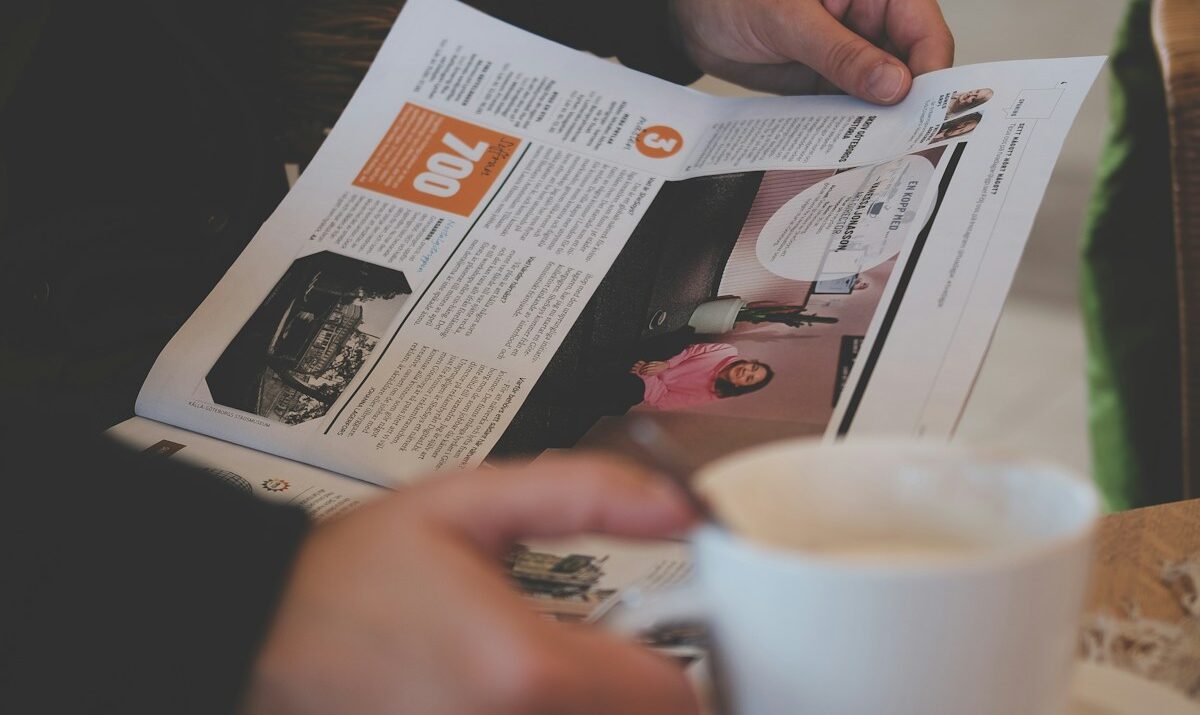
[327, 48]
[1176, 30]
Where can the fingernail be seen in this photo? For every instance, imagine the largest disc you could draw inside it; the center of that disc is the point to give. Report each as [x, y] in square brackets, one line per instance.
[885, 82]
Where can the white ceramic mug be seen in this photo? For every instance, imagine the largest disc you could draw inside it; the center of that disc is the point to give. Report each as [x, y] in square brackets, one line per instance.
[887, 578]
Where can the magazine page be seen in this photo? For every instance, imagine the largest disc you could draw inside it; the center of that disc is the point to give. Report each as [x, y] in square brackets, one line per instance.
[505, 246]
[322, 494]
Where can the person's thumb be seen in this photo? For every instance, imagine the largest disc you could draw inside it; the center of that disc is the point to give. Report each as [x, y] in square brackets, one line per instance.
[823, 43]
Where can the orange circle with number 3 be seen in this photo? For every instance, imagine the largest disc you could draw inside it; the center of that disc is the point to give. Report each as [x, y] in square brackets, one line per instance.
[659, 141]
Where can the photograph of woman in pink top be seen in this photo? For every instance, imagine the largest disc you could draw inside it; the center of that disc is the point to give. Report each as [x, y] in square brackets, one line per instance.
[701, 373]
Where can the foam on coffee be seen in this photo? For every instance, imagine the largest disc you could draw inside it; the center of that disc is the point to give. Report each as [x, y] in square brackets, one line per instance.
[884, 506]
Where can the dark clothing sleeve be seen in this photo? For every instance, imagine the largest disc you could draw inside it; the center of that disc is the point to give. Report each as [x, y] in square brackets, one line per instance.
[139, 158]
[640, 33]
[133, 584]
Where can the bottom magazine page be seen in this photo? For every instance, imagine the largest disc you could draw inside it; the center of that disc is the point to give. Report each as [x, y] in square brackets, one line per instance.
[575, 580]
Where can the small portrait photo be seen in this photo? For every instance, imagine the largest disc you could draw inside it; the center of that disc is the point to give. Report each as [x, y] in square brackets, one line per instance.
[309, 338]
[965, 101]
[694, 374]
[957, 127]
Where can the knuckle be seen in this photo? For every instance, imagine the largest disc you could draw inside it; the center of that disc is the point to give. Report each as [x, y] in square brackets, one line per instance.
[591, 493]
[596, 473]
[588, 465]
[843, 58]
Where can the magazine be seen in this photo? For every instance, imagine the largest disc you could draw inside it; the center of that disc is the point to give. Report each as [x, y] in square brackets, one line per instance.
[507, 246]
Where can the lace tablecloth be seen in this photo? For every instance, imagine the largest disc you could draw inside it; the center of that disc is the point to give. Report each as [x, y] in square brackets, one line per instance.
[1143, 611]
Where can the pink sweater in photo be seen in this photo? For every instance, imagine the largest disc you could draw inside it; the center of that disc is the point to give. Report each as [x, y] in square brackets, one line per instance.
[689, 378]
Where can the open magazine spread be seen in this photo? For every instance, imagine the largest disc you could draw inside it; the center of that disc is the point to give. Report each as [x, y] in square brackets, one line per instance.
[506, 246]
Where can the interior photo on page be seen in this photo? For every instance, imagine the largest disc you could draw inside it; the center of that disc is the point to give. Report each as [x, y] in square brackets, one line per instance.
[736, 310]
[308, 339]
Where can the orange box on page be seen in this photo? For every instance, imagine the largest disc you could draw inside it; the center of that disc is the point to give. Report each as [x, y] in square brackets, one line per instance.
[437, 161]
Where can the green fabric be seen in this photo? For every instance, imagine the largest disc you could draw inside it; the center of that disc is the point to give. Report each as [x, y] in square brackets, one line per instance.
[1129, 296]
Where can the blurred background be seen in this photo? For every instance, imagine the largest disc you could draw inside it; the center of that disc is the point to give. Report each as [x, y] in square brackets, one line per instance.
[1031, 393]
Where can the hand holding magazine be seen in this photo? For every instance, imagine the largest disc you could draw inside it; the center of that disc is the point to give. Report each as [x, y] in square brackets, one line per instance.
[507, 246]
